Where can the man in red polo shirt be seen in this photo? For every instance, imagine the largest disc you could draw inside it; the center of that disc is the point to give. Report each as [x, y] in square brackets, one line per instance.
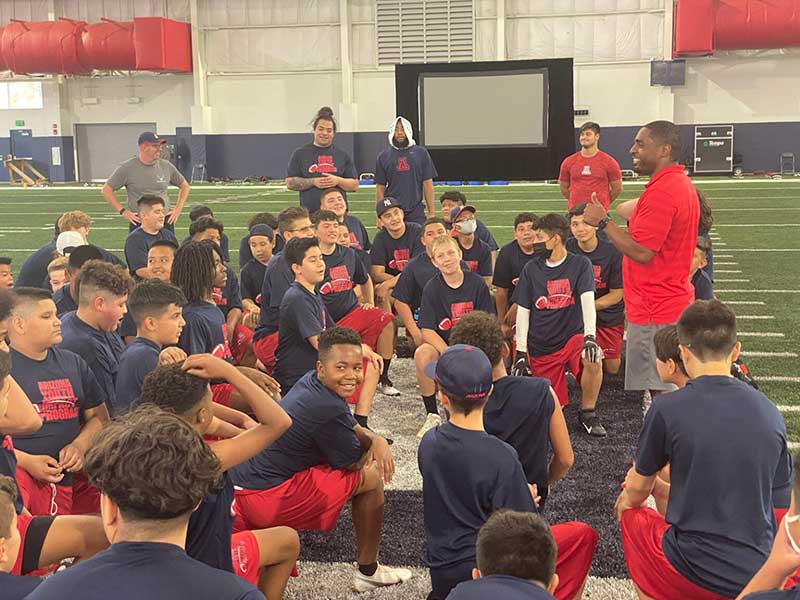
[590, 170]
[658, 247]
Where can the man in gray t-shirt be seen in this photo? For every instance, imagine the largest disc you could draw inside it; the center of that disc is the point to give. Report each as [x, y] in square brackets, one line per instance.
[146, 174]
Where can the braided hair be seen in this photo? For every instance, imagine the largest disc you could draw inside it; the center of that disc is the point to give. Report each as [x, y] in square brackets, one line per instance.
[193, 271]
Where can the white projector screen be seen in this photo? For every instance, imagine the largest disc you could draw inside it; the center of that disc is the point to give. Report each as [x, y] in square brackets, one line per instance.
[484, 109]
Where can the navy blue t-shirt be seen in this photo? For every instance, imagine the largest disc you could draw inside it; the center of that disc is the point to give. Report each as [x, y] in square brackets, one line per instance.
[245, 255]
[359, 238]
[466, 476]
[518, 412]
[139, 359]
[100, 349]
[607, 268]
[402, 172]
[303, 315]
[703, 286]
[343, 271]
[322, 431]
[553, 295]
[482, 233]
[205, 331]
[63, 300]
[17, 587]
[277, 279]
[310, 162]
[394, 254]
[61, 387]
[418, 272]
[252, 275]
[208, 538]
[8, 465]
[127, 327]
[792, 594]
[33, 272]
[478, 258]
[230, 296]
[442, 306]
[508, 267]
[152, 570]
[499, 586]
[138, 243]
[725, 443]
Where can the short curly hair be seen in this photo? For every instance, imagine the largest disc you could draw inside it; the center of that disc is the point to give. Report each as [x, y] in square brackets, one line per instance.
[152, 465]
[73, 220]
[100, 277]
[482, 330]
[173, 389]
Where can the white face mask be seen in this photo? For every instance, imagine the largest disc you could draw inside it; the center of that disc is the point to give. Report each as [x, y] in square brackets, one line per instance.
[467, 226]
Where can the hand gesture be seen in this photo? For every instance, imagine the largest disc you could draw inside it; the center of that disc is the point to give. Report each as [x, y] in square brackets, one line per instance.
[44, 468]
[207, 366]
[171, 355]
[173, 215]
[70, 458]
[594, 211]
[131, 217]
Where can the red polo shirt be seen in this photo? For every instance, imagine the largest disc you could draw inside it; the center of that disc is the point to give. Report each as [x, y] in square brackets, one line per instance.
[586, 175]
[665, 221]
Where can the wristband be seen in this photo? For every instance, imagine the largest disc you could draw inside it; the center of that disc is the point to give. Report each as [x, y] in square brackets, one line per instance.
[122, 210]
[601, 224]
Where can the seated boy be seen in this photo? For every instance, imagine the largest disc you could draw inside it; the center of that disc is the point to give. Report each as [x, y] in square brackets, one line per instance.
[695, 551]
[68, 399]
[58, 273]
[324, 460]
[66, 298]
[510, 261]
[516, 557]
[703, 285]
[332, 199]
[450, 295]
[468, 474]
[261, 241]
[152, 470]
[261, 218]
[160, 258]
[453, 199]
[198, 212]
[474, 251]
[152, 229]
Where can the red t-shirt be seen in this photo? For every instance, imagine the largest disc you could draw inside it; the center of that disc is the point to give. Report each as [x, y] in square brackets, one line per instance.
[665, 221]
[586, 175]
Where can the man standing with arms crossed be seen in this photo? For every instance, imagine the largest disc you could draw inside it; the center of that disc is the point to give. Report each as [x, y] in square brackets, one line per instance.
[146, 174]
[590, 170]
[658, 247]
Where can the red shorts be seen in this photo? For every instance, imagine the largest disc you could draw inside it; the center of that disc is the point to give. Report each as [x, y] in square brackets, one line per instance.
[85, 497]
[246, 556]
[576, 543]
[368, 322]
[264, 350]
[553, 366]
[221, 393]
[610, 340]
[642, 531]
[794, 579]
[310, 500]
[43, 498]
[32, 533]
[241, 337]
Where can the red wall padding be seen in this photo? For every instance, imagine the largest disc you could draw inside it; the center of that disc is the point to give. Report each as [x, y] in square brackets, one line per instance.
[757, 24]
[73, 47]
[694, 28]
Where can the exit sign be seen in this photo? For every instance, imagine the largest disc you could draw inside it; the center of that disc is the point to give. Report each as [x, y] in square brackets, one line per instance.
[19, 123]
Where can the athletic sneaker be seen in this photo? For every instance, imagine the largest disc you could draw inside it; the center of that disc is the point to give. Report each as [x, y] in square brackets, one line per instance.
[591, 425]
[431, 421]
[387, 388]
[382, 577]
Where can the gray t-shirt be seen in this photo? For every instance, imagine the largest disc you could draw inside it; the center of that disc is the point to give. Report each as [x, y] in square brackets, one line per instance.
[140, 180]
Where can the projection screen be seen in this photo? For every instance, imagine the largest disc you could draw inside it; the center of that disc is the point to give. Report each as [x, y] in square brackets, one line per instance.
[484, 109]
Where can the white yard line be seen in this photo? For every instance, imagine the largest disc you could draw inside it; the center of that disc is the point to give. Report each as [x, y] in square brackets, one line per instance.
[725, 271]
[762, 249]
[725, 263]
[773, 354]
[730, 280]
[757, 291]
[759, 334]
[754, 317]
[743, 302]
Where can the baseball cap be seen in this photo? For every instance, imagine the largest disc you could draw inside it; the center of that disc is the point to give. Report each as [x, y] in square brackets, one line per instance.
[148, 137]
[388, 202]
[456, 212]
[68, 241]
[463, 371]
[262, 229]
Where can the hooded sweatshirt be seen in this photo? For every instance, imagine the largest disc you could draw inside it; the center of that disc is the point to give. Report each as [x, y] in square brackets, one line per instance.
[403, 169]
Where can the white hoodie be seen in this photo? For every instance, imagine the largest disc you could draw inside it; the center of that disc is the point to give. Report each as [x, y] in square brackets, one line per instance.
[406, 128]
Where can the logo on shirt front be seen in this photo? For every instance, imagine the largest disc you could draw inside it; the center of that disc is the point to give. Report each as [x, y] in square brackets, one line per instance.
[559, 295]
[340, 281]
[218, 297]
[8, 444]
[400, 260]
[324, 164]
[457, 310]
[354, 243]
[402, 164]
[472, 265]
[59, 402]
[598, 281]
[587, 170]
[258, 299]
[223, 350]
[515, 281]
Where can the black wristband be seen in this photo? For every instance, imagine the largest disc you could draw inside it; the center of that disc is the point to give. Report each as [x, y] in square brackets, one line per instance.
[601, 224]
[122, 210]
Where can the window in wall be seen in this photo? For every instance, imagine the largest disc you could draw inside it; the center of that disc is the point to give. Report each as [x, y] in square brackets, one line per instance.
[424, 31]
[21, 95]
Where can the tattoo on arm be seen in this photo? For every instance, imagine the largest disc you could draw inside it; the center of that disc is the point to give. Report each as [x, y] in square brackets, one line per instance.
[299, 184]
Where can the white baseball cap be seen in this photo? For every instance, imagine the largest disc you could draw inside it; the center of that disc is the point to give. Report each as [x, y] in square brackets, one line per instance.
[68, 241]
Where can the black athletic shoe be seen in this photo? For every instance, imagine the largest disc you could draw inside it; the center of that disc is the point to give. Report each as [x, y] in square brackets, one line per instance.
[591, 424]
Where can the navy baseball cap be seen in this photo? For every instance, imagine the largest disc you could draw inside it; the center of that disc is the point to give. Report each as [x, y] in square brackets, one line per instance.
[148, 137]
[463, 371]
[456, 212]
[388, 202]
[262, 229]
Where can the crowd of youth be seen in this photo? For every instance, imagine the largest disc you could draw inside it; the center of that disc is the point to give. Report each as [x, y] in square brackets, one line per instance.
[169, 426]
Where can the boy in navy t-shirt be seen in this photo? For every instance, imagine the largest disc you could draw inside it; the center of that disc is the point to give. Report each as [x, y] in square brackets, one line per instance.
[305, 478]
[292, 222]
[152, 470]
[468, 474]
[261, 241]
[260, 218]
[474, 252]
[394, 245]
[453, 199]
[65, 297]
[607, 267]
[198, 212]
[556, 320]
[332, 199]
[719, 521]
[510, 261]
[155, 307]
[450, 295]
[70, 402]
[152, 229]
[516, 557]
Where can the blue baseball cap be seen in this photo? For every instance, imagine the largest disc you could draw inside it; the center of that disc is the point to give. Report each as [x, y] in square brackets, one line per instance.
[456, 212]
[262, 229]
[388, 202]
[148, 137]
[463, 371]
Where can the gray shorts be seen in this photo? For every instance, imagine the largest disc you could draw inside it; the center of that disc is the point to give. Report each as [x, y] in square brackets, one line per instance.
[640, 359]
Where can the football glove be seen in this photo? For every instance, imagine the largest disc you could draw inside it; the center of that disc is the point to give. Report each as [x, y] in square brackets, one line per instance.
[521, 367]
[591, 350]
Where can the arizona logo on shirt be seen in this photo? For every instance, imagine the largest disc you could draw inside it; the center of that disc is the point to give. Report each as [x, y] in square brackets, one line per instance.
[587, 170]
[354, 243]
[324, 164]
[59, 402]
[459, 309]
[402, 164]
[400, 260]
[598, 281]
[559, 295]
[472, 265]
